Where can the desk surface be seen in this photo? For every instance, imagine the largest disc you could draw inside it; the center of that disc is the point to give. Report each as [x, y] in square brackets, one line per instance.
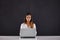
[37, 38]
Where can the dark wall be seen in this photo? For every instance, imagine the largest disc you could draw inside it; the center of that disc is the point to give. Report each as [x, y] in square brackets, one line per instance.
[45, 13]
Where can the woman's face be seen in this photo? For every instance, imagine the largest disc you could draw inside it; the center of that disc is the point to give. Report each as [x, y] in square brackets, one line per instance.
[28, 18]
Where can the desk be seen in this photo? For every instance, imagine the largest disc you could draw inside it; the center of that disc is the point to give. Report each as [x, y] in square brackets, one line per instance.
[37, 38]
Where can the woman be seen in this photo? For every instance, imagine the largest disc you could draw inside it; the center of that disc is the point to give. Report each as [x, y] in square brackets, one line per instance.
[28, 22]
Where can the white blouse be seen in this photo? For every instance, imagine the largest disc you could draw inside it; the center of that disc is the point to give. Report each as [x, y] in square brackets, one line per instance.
[23, 25]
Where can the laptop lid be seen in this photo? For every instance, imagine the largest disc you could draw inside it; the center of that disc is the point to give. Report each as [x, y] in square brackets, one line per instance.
[27, 32]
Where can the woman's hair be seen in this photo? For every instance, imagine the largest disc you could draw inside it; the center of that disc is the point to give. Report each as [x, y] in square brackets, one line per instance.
[31, 21]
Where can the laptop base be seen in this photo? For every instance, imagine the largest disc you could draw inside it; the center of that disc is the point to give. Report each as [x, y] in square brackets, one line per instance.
[27, 37]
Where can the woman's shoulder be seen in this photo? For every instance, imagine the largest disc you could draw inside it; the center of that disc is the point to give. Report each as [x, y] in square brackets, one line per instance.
[22, 23]
[34, 24]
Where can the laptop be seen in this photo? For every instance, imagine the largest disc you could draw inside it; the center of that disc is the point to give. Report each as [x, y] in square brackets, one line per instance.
[27, 33]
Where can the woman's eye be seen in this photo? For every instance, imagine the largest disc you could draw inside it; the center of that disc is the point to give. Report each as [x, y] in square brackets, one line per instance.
[26, 17]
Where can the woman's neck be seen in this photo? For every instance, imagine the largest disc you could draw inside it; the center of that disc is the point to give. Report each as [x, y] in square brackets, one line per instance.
[28, 23]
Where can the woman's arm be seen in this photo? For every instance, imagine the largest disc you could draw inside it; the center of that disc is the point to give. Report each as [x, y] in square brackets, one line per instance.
[35, 28]
[20, 28]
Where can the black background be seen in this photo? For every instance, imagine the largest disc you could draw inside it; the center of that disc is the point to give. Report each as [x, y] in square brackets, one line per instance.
[45, 13]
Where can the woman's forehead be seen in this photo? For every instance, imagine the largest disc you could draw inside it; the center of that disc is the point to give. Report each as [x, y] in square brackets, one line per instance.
[28, 16]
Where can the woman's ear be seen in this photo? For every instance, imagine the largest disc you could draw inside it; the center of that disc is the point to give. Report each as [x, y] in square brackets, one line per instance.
[24, 19]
